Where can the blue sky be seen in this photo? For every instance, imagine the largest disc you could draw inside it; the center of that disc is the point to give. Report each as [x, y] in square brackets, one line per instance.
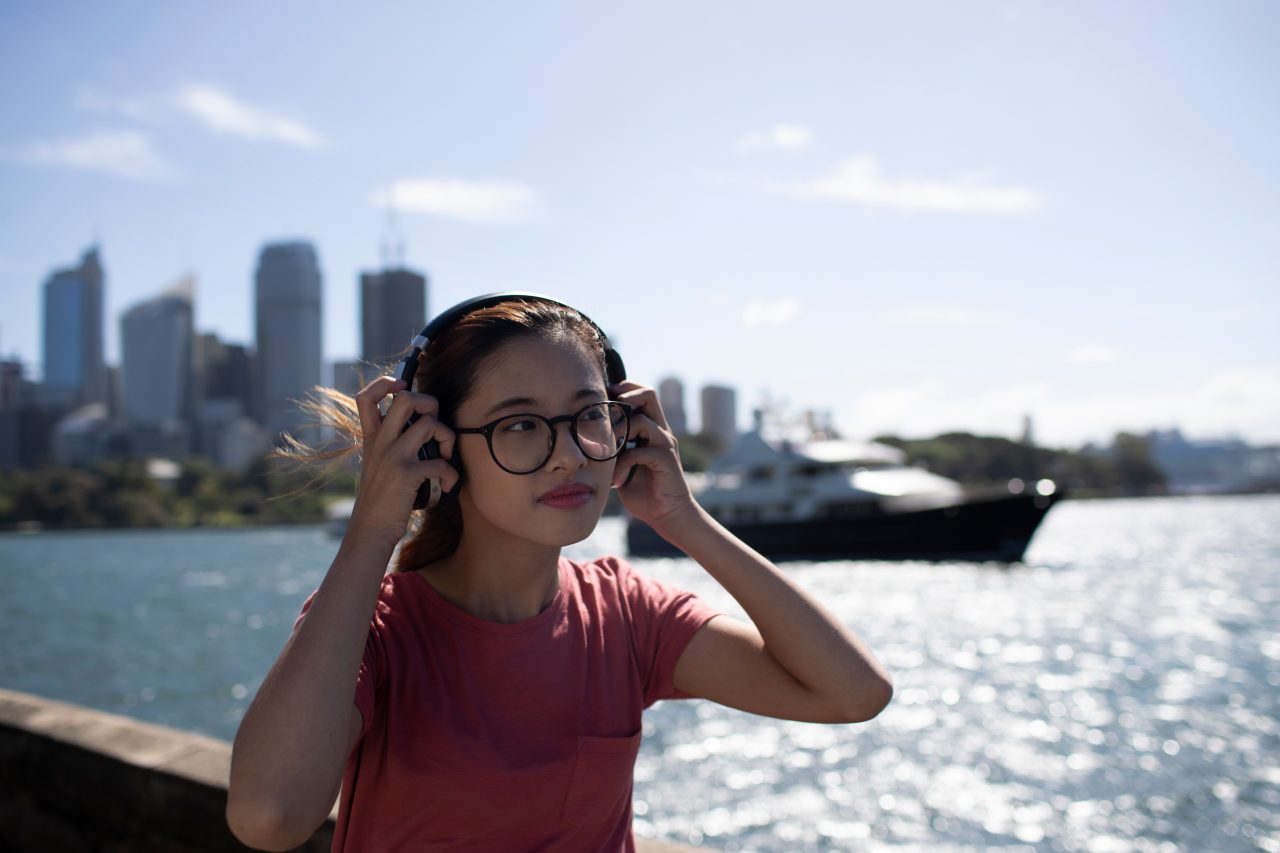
[919, 217]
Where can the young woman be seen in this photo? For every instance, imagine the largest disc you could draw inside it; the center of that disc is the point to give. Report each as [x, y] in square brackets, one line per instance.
[485, 695]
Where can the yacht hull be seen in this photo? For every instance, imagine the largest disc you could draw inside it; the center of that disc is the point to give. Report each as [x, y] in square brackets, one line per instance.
[978, 529]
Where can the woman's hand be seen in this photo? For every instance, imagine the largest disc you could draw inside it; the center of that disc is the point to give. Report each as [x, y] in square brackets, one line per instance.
[658, 491]
[391, 471]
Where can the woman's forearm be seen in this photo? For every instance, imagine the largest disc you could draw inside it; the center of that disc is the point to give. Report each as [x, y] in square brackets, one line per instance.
[291, 747]
[799, 633]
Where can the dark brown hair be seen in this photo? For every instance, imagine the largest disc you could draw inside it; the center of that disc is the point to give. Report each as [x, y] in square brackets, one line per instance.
[454, 360]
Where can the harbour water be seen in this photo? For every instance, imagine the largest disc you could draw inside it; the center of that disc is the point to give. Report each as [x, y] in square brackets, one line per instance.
[1117, 692]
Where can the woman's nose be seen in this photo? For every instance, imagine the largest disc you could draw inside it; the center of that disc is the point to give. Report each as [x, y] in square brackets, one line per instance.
[566, 455]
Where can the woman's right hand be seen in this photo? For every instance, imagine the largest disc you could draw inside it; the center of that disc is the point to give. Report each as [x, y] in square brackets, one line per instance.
[390, 471]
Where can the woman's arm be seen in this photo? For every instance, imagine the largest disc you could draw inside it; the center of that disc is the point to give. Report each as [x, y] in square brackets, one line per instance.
[293, 743]
[794, 660]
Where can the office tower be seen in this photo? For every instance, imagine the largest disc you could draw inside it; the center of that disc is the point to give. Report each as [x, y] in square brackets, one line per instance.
[74, 367]
[288, 304]
[81, 437]
[10, 383]
[10, 418]
[223, 372]
[393, 308]
[224, 432]
[27, 424]
[350, 376]
[719, 413]
[156, 342]
[671, 398]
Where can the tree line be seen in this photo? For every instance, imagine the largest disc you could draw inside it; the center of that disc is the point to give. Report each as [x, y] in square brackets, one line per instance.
[125, 493]
[1124, 469]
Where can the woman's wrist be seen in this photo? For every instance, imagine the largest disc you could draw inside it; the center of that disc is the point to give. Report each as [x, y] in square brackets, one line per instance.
[367, 536]
[683, 524]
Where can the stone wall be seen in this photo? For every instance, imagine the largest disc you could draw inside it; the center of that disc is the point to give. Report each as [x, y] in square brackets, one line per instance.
[75, 780]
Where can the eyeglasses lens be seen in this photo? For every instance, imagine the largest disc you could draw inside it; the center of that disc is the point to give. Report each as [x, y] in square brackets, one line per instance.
[522, 443]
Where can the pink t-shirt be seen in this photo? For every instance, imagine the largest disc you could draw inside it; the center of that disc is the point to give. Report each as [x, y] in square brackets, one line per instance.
[481, 736]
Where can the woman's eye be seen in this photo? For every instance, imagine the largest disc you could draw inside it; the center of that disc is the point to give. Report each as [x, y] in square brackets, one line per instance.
[596, 414]
[522, 425]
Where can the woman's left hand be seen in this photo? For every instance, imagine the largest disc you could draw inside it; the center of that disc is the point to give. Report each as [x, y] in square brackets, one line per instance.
[657, 491]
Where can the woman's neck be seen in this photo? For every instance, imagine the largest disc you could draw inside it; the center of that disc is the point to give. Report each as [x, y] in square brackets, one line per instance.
[505, 584]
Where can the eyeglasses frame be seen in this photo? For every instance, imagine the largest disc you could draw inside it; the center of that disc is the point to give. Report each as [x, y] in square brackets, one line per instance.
[487, 431]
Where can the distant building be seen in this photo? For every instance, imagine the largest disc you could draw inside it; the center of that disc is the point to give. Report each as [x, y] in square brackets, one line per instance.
[223, 371]
[11, 386]
[393, 308]
[82, 437]
[350, 376]
[26, 422]
[225, 433]
[157, 342]
[1214, 466]
[11, 382]
[671, 398]
[74, 366]
[228, 437]
[720, 413]
[288, 309]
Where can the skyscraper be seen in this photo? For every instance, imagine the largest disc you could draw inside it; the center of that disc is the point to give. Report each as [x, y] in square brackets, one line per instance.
[222, 372]
[74, 367]
[393, 308]
[288, 304]
[671, 398]
[157, 341]
[720, 413]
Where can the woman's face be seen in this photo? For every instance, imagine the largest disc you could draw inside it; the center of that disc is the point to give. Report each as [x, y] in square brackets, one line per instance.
[548, 378]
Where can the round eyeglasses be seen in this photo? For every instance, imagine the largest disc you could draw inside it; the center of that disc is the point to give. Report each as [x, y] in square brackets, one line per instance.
[522, 443]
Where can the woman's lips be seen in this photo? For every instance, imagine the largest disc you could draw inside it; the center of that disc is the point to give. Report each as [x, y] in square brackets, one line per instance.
[568, 497]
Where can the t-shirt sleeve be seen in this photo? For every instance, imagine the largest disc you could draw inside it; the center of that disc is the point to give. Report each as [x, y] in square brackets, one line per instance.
[368, 678]
[664, 619]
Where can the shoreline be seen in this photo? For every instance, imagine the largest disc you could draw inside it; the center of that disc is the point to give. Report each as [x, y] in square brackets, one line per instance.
[31, 528]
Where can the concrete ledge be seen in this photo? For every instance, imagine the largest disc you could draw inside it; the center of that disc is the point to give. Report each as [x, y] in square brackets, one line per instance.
[76, 780]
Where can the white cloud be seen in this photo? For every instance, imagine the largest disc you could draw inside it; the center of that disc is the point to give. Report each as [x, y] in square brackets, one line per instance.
[1091, 354]
[480, 202]
[213, 107]
[780, 137]
[769, 312]
[123, 153]
[223, 113]
[860, 180]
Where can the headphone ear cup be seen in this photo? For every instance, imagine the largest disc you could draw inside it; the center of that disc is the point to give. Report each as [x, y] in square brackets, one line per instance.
[614, 370]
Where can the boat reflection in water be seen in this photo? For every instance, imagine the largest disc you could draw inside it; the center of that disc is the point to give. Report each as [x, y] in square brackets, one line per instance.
[838, 499]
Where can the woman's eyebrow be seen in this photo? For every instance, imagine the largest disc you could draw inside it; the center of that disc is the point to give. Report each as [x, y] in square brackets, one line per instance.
[585, 393]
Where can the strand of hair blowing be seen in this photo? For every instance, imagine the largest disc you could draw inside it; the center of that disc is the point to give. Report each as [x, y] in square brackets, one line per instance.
[447, 370]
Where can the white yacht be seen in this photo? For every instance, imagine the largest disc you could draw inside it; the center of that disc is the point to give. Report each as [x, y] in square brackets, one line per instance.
[829, 498]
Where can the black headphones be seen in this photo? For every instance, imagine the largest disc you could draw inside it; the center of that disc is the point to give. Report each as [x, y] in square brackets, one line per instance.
[615, 372]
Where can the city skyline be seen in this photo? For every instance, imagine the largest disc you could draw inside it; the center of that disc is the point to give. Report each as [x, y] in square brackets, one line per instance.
[918, 223]
[178, 391]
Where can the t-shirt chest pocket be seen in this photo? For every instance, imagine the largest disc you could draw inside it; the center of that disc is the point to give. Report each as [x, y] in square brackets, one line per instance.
[601, 783]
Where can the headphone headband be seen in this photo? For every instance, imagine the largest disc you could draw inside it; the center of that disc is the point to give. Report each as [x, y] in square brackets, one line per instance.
[614, 368]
